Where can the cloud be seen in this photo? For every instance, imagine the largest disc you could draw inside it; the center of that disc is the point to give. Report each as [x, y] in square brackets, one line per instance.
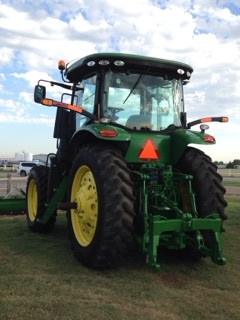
[32, 76]
[7, 55]
[36, 35]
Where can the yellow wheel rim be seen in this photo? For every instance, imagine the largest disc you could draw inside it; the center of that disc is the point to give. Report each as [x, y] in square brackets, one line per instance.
[32, 200]
[84, 217]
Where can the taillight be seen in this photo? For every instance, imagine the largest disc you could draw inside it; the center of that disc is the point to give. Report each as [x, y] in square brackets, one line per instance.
[108, 133]
[209, 139]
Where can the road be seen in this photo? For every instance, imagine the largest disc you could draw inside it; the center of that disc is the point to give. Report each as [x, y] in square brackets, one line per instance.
[234, 190]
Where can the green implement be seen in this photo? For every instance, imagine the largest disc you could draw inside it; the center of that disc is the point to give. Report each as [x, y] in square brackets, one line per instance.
[13, 206]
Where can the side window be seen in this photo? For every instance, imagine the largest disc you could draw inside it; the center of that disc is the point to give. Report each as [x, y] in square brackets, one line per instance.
[85, 98]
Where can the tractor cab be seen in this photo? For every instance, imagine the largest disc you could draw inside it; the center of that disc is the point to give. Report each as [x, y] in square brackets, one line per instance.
[124, 91]
[131, 92]
[135, 101]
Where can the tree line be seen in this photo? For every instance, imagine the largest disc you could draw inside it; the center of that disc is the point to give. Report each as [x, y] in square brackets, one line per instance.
[231, 165]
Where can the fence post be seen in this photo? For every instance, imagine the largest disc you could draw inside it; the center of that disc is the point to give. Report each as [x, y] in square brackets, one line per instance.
[9, 183]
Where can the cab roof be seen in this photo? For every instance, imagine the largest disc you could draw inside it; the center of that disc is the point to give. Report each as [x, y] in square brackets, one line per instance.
[121, 61]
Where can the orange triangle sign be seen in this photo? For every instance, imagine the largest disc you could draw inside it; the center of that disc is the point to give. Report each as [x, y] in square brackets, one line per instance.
[149, 151]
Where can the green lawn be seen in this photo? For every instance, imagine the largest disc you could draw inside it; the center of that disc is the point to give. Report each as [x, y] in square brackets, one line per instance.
[231, 183]
[41, 280]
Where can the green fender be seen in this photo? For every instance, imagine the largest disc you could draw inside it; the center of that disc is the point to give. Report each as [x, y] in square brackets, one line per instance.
[106, 132]
[95, 132]
[169, 146]
[180, 139]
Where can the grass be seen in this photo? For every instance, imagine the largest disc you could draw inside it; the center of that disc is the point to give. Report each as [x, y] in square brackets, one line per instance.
[8, 170]
[231, 183]
[40, 279]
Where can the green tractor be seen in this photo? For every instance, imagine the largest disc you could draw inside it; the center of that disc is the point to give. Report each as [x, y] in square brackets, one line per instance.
[123, 169]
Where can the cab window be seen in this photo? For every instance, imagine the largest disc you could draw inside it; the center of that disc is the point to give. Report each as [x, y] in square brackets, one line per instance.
[85, 98]
[141, 101]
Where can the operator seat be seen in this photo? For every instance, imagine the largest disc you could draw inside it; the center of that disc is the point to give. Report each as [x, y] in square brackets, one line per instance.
[138, 121]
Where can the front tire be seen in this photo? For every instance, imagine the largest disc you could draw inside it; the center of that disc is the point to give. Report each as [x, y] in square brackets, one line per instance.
[36, 200]
[100, 227]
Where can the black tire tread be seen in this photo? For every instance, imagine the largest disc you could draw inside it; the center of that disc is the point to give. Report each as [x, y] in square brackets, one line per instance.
[40, 175]
[117, 204]
[207, 182]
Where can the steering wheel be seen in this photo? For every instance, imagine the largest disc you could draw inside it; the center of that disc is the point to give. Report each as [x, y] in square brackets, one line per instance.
[114, 110]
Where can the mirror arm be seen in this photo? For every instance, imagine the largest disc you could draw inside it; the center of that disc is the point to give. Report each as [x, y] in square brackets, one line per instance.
[54, 103]
[210, 119]
[53, 83]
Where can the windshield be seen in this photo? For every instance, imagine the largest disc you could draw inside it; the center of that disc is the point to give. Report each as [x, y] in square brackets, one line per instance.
[141, 101]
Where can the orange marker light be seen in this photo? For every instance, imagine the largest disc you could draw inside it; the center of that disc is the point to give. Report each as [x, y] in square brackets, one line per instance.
[47, 102]
[149, 151]
[206, 120]
[210, 119]
[61, 65]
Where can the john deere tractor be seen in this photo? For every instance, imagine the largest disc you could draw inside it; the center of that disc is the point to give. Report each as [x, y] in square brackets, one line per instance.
[123, 170]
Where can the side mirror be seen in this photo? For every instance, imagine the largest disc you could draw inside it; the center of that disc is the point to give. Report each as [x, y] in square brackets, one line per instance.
[39, 93]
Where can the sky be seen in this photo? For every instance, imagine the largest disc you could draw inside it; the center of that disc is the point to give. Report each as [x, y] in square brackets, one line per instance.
[35, 35]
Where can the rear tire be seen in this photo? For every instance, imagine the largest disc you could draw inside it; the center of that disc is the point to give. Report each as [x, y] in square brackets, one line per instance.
[207, 182]
[100, 228]
[36, 200]
[207, 185]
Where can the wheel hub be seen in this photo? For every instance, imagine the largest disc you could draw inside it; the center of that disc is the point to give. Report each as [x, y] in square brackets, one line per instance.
[84, 217]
